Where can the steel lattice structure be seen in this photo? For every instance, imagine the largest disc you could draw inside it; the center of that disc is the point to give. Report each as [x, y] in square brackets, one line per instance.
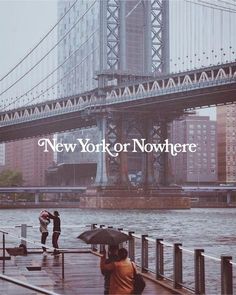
[113, 25]
[160, 35]
[113, 46]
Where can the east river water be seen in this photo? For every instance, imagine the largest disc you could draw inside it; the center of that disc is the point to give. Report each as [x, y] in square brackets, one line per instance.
[214, 230]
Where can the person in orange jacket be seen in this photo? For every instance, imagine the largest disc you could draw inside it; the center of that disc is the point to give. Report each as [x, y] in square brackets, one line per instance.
[122, 273]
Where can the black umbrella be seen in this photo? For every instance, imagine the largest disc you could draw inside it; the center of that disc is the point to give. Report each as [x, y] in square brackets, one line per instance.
[105, 236]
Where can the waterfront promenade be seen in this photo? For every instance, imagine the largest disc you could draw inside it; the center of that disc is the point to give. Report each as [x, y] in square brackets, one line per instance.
[81, 275]
[158, 258]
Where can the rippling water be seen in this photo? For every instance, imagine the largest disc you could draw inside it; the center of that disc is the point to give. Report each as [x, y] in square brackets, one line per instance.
[211, 229]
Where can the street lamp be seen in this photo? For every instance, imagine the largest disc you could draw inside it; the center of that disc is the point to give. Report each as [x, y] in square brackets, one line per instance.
[198, 172]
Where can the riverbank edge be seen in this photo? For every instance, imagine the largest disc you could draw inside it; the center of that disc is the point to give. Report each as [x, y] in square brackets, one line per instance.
[71, 206]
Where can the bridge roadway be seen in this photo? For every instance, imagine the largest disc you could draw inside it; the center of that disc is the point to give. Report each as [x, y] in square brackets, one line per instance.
[82, 275]
[172, 93]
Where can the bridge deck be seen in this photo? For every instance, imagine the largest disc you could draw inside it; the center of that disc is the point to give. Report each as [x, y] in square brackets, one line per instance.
[82, 275]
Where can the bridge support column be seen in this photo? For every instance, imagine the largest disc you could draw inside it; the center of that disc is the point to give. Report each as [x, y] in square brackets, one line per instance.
[111, 170]
[36, 198]
[155, 164]
[228, 196]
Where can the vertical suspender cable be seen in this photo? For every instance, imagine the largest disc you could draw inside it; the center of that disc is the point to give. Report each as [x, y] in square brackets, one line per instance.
[221, 36]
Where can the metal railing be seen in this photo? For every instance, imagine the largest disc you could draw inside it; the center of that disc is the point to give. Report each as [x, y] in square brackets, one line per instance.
[16, 281]
[26, 285]
[23, 238]
[176, 281]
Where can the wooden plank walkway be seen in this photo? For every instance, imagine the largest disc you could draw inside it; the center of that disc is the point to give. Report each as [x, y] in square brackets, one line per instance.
[82, 275]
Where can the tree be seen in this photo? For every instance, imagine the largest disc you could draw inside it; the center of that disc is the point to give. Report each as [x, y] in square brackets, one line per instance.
[11, 178]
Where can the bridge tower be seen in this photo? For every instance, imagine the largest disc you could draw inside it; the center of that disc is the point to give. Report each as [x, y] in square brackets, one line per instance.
[134, 39]
[134, 44]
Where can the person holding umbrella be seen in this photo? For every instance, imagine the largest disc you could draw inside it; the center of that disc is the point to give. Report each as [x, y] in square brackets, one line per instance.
[112, 256]
[122, 273]
[44, 221]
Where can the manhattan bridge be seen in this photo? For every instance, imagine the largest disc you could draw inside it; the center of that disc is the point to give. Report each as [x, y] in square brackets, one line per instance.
[120, 66]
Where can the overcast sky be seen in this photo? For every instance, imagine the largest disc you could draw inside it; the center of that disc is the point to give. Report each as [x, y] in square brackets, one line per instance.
[22, 24]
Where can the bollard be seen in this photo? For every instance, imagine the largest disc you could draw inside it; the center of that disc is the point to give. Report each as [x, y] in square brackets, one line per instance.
[159, 259]
[131, 246]
[178, 267]
[199, 271]
[226, 275]
[144, 253]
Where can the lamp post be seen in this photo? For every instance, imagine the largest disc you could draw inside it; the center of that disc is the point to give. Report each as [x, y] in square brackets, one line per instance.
[198, 175]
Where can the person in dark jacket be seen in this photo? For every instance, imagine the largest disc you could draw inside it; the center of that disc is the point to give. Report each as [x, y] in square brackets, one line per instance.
[112, 256]
[56, 230]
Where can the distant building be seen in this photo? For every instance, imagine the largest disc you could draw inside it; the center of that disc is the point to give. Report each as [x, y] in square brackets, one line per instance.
[27, 157]
[200, 166]
[226, 126]
[2, 156]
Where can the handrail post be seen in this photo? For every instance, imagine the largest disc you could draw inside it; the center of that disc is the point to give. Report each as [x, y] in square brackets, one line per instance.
[226, 275]
[144, 253]
[159, 259]
[24, 233]
[4, 254]
[63, 265]
[93, 247]
[121, 244]
[199, 271]
[101, 246]
[178, 266]
[131, 246]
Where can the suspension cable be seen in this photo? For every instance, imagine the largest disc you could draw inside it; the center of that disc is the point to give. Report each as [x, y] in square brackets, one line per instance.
[51, 73]
[62, 77]
[39, 61]
[37, 45]
[212, 6]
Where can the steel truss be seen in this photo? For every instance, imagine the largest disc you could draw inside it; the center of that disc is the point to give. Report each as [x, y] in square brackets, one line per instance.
[160, 35]
[113, 40]
[154, 130]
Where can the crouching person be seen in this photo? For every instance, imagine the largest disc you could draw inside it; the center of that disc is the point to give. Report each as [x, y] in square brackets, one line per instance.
[121, 273]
